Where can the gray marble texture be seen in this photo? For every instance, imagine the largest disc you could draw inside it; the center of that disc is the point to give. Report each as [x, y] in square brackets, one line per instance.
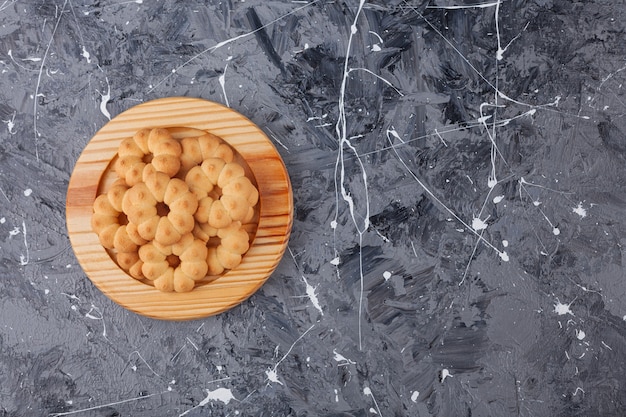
[459, 175]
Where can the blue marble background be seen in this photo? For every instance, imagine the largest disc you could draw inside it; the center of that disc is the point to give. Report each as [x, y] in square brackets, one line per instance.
[459, 174]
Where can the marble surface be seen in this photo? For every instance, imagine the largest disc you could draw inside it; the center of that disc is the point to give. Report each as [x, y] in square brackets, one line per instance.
[459, 174]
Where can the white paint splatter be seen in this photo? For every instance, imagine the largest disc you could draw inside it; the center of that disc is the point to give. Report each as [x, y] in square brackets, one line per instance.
[15, 231]
[498, 199]
[3, 220]
[580, 210]
[386, 275]
[86, 55]
[504, 256]
[272, 376]
[11, 124]
[562, 309]
[224, 395]
[505, 243]
[445, 373]
[414, 396]
[100, 316]
[336, 395]
[334, 261]
[536, 203]
[556, 231]
[222, 81]
[28, 192]
[342, 360]
[333, 224]
[580, 335]
[105, 99]
[310, 292]
[478, 224]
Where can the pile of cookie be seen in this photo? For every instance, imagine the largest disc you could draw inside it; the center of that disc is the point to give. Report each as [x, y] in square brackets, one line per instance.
[179, 210]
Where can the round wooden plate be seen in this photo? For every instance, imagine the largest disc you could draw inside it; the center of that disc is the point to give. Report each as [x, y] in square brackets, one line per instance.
[184, 116]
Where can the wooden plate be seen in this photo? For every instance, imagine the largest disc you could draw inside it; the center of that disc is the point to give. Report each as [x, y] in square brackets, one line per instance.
[184, 117]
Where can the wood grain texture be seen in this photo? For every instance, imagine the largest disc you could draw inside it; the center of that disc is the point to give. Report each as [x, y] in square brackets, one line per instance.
[183, 116]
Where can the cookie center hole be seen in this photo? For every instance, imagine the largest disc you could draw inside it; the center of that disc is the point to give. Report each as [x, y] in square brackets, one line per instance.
[147, 158]
[122, 219]
[173, 260]
[162, 209]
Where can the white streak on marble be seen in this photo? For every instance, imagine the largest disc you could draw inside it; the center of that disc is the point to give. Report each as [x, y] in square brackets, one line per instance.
[384, 80]
[367, 391]
[24, 259]
[273, 136]
[71, 296]
[222, 81]
[100, 316]
[6, 4]
[228, 41]
[136, 352]
[441, 138]
[192, 343]
[104, 100]
[4, 195]
[272, 374]
[605, 345]
[432, 195]
[16, 62]
[98, 407]
[465, 6]
[37, 86]
[500, 51]
[383, 237]
[310, 290]
[341, 131]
